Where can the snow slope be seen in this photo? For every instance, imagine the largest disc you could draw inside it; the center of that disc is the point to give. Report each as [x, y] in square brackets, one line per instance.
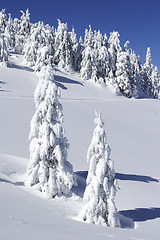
[133, 131]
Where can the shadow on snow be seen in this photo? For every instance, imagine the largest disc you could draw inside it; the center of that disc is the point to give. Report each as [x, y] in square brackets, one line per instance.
[138, 178]
[10, 182]
[13, 65]
[82, 176]
[61, 80]
[141, 214]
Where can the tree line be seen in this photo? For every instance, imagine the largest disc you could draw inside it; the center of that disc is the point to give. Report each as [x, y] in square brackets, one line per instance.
[98, 57]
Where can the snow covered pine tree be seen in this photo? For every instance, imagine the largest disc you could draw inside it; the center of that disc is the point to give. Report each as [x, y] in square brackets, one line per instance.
[48, 170]
[99, 207]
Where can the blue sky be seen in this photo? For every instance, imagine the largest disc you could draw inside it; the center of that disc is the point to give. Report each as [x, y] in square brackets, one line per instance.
[136, 20]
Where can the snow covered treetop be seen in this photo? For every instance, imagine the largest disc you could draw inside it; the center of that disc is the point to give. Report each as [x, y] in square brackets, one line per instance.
[98, 120]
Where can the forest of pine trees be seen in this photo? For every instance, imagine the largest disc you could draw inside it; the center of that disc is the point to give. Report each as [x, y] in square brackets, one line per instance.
[98, 57]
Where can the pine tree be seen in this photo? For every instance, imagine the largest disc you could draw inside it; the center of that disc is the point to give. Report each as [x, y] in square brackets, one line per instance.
[63, 56]
[22, 30]
[78, 55]
[4, 54]
[38, 49]
[88, 65]
[114, 49]
[77, 48]
[136, 69]
[103, 64]
[3, 20]
[99, 207]
[155, 92]
[25, 24]
[43, 58]
[146, 75]
[9, 33]
[123, 73]
[49, 170]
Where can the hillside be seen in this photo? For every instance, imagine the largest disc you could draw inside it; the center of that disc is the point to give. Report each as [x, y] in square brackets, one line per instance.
[132, 128]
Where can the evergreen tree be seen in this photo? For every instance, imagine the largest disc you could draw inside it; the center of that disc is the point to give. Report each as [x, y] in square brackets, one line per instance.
[103, 64]
[4, 54]
[43, 58]
[155, 92]
[9, 33]
[39, 46]
[78, 55]
[88, 65]
[146, 74]
[99, 207]
[25, 24]
[63, 56]
[22, 30]
[49, 170]
[114, 49]
[3, 20]
[136, 68]
[77, 48]
[123, 73]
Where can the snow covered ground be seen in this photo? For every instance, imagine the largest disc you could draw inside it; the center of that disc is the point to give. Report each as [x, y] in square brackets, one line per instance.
[133, 132]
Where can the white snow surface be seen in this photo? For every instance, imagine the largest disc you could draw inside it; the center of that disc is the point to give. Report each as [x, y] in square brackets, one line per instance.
[133, 133]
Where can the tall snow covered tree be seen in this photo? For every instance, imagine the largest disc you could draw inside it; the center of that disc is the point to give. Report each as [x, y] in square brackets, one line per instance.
[113, 48]
[4, 54]
[99, 206]
[25, 24]
[123, 73]
[155, 91]
[88, 65]
[39, 46]
[77, 48]
[63, 56]
[9, 33]
[49, 170]
[78, 55]
[136, 68]
[3, 20]
[146, 75]
[22, 30]
[103, 64]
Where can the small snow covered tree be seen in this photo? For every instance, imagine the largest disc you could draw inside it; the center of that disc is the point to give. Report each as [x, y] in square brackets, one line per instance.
[49, 170]
[99, 207]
